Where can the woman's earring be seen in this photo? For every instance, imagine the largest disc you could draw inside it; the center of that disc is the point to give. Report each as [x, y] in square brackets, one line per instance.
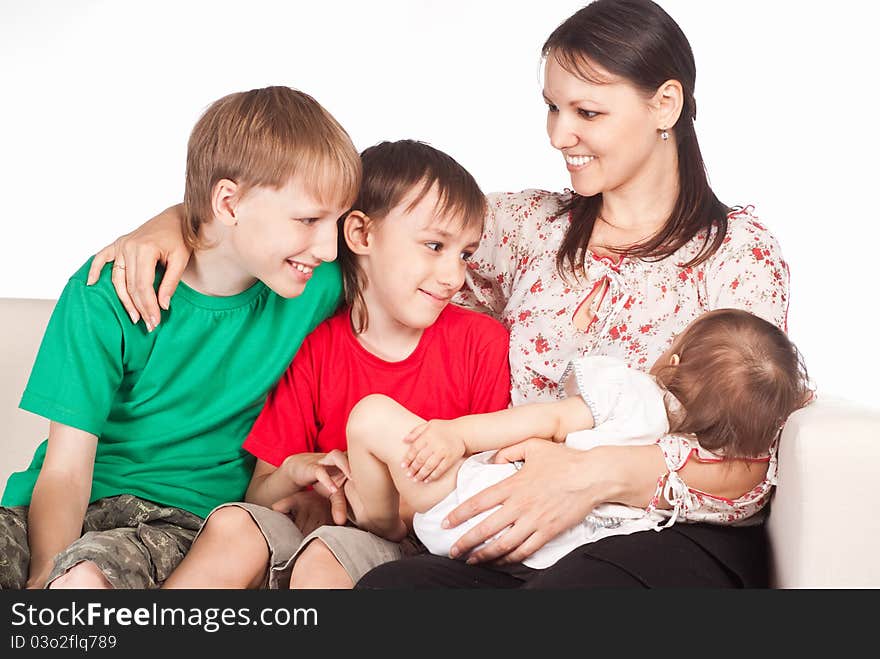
[664, 135]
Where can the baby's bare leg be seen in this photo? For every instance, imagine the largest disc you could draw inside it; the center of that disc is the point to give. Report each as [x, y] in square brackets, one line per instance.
[376, 428]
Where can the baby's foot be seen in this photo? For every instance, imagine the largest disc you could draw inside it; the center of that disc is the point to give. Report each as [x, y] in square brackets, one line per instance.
[399, 533]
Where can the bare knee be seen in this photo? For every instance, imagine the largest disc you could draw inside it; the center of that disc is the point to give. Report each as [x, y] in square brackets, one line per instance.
[317, 567]
[369, 417]
[234, 531]
[230, 552]
[82, 575]
[231, 524]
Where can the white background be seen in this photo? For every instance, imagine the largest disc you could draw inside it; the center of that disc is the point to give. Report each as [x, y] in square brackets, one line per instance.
[97, 99]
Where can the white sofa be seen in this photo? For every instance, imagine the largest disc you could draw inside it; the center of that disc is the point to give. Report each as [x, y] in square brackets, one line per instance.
[824, 531]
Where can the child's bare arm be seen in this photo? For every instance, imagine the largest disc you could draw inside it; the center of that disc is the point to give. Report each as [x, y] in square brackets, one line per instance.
[270, 484]
[439, 442]
[553, 421]
[60, 498]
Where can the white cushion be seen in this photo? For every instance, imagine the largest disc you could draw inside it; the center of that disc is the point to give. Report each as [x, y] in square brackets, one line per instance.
[824, 527]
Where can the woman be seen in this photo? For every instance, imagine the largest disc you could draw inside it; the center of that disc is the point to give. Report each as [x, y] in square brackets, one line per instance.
[618, 266]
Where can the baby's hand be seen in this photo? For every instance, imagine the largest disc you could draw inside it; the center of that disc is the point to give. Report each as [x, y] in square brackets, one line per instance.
[435, 447]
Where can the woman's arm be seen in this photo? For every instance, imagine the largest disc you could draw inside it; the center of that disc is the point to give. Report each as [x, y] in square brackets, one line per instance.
[558, 486]
[136, 255]
[60, 498]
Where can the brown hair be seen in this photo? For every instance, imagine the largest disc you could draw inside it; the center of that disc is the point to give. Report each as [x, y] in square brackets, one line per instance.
[638, 41]
[264, 137]
[738, 380]
[391, 171]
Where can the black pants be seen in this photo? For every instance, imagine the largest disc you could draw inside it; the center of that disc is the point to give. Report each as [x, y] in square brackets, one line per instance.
[683, 556]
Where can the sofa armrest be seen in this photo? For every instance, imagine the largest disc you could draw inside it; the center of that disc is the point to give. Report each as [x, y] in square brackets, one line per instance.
[823, 529]
[22, 323]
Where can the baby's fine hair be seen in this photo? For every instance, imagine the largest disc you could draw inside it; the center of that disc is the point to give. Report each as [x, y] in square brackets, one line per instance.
[738, 379]
[265, 137]
[393, 170]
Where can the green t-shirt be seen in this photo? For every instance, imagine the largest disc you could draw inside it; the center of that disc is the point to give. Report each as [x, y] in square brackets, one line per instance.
[171, 408]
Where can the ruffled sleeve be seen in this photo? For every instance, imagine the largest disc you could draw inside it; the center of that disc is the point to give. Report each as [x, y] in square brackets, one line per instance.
[626, 404]
[748, 271]
[599, 381]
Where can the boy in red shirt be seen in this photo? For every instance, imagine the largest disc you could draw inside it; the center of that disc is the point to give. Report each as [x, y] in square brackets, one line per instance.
[403, 252]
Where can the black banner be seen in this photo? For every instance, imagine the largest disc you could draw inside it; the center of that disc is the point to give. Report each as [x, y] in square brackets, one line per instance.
[152, 623]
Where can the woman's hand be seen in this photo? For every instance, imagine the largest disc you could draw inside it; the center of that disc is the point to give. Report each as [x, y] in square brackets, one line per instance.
[136, 255]
[554, 490]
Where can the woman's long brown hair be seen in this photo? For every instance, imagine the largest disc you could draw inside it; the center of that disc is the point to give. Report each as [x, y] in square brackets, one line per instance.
[638, 41]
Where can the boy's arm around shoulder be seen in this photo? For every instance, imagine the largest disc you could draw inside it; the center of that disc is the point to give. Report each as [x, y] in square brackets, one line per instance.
[60, 498]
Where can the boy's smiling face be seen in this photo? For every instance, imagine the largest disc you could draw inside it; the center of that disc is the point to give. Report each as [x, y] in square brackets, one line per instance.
[281, 235]
[416, 262]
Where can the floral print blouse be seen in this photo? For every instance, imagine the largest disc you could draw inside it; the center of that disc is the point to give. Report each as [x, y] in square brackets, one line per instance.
[692, 505]
[637, 307]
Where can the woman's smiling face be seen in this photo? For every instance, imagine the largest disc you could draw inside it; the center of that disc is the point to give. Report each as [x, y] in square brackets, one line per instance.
[607, 130]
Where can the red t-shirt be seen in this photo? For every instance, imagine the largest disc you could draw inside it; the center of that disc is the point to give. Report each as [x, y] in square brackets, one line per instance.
[459, 367]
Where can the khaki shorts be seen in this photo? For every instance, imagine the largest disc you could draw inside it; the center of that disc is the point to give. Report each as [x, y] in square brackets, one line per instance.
[357, 551]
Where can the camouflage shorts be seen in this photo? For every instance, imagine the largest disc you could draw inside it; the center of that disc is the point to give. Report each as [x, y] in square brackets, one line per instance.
[135, 543]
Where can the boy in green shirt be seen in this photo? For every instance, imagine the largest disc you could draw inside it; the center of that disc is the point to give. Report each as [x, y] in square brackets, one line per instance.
[147, 423]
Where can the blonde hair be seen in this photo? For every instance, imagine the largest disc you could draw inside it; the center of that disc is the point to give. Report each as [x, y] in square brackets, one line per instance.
[265, 137]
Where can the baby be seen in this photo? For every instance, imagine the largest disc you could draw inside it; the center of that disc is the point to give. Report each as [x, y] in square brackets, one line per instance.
[722, 390]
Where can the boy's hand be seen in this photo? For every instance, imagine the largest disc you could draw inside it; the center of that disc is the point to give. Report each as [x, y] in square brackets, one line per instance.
[308, 510]
[322, 470]
[436, 445]
[338, 502]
